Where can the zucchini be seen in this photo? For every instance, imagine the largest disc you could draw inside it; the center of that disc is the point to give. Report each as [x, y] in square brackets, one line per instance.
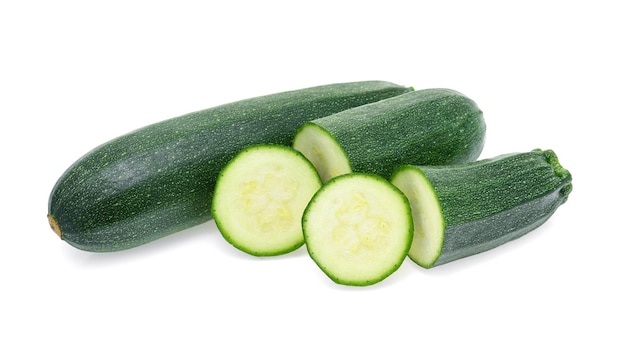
[260, 196]
[159, 179]
[358, 229]
[462, 210]
[426, 127]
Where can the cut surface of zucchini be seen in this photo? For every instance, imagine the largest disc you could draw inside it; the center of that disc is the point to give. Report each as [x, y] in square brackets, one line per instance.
[260, 197]
[322, 149]
[358, 229]
[429, 225]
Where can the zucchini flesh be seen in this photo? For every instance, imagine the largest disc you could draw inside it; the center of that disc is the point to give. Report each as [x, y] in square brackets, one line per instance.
[159, 179]
[260, 196]
[462, 210]
[358, 229]
[323, 151]
[425, 127]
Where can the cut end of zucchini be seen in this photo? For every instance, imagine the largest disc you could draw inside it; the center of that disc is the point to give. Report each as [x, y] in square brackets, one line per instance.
[260, 197]
[319, 147]
[55, 226]
[358, 229]
[428, 221]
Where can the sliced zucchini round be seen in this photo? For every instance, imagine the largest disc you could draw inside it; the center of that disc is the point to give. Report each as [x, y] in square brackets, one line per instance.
[358, 229]
[260, 197]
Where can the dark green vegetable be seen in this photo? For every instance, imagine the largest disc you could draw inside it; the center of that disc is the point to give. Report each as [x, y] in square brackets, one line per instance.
[466, 209]
[159, 179]
[426, 127]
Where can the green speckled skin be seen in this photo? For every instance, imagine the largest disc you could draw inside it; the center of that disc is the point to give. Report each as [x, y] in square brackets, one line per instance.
[425, 127]
[493, 201]
[159, 179]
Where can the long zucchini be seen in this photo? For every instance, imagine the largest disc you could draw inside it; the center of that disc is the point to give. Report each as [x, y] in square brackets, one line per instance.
[159, 179]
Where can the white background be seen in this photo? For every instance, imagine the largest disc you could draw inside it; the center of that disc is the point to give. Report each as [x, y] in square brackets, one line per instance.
[74, 74]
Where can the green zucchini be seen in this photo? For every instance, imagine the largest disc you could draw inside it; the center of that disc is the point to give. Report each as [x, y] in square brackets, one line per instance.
[358, 229]
[159, 179]
[426, 127]
[260, 196]
[462, 210]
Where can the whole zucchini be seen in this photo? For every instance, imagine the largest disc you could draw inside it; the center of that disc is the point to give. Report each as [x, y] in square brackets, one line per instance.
[159, 179]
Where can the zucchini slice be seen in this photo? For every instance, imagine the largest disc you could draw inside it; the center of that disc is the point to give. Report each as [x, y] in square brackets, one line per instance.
[462, 210]
[358, 229]
[260, 196]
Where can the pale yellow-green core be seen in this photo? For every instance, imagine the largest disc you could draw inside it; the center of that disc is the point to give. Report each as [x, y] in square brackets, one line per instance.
[266, 200]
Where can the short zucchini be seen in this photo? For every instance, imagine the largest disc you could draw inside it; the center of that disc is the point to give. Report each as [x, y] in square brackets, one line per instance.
[260, 196]
[159, 179]
[467, 209]
[358, 229]
[425, 127]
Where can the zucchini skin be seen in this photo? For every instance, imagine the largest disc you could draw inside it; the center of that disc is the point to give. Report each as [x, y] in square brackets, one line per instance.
[159, 179]
[425, 127]
[493, 201]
